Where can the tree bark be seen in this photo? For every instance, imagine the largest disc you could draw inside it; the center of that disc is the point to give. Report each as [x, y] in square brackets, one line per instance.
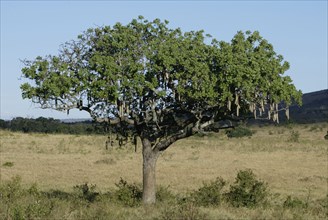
[149, 169]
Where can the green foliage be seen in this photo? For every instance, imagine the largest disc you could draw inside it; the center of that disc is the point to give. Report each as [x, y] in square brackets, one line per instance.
[33, 190]
[8, 164]
[239, 132]
[4, 124]
[38, 209]
[18, 213]
[108, 67]
[11, 191]
[17, 202]
[128, 194]
[86, 192]
[210, 194]
[50, 125]
[247, 191]
[294, 203]
[163, 194]
[34, 206]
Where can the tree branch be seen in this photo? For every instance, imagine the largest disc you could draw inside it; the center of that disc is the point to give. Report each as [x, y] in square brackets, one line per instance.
[188, 131]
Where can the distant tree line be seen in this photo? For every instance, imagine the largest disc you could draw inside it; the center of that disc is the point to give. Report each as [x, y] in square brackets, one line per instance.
[51, 125]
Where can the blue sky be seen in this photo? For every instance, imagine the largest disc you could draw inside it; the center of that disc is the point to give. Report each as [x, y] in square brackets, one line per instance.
[297, 30]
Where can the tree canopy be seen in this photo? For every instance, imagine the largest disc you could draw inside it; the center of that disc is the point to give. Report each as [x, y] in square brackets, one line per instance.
[161, 83]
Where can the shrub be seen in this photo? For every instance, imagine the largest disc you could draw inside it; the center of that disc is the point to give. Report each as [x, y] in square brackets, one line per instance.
[163, 194]
[128, 194]
[239, 132]
[294, 203]
[38, 208]
[11, 191]
[34, 191]
[23, 204]
[209, 194]
[8, 164]
[86, 192]
[247, 191]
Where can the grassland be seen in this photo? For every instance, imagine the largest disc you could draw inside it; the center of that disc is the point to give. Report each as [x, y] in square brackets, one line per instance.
[293, 160]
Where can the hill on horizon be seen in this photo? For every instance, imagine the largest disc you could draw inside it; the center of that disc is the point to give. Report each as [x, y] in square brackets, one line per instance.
[314, 108]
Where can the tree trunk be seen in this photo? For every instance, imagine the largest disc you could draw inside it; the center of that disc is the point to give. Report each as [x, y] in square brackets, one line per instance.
[149, 169]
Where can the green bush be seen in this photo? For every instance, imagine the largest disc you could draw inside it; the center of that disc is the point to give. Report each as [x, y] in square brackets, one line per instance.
[38, 209]
[209, 194]
[17, 213]
[23, 204]
[8, 164]
[128, 194]
[11, 191]
[294, 203]
[239, 132]
[17, 202]
[86, 192]
[163, 194]
[247, 191]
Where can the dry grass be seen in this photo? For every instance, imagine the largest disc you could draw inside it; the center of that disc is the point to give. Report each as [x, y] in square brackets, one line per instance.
[62, 161]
